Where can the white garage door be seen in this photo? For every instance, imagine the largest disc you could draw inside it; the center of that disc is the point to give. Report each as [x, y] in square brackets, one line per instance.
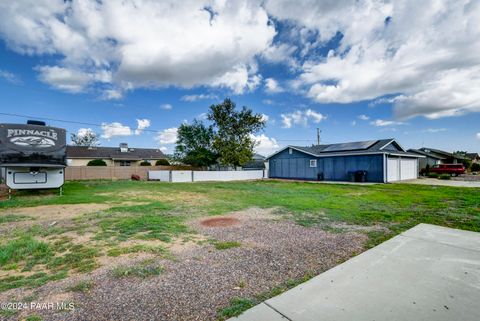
[393, 169]
[408, 168]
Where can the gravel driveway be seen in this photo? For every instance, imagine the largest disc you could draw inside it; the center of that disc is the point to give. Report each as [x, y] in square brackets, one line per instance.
[202, 280]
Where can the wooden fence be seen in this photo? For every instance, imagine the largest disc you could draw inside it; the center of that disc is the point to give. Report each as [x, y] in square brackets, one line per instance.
[73, 173]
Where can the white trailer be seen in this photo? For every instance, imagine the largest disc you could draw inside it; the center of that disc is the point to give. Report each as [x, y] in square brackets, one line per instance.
[32, 156]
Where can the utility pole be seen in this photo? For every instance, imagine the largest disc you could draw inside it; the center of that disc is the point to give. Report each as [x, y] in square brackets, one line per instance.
[318, 136]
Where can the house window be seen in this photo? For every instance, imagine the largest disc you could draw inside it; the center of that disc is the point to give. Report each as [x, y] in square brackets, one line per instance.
[290, 151]
[313, 163]
[125, 163]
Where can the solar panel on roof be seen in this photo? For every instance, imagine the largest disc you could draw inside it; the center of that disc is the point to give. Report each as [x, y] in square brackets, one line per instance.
[349, 146]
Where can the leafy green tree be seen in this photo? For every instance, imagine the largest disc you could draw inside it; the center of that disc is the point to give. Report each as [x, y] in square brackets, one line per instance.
[234, 128]
[195, 144]
[88, 138]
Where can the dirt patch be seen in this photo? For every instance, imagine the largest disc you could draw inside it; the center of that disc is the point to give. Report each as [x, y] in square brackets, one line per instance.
[56, 212]
[220, 222]
[181, 197]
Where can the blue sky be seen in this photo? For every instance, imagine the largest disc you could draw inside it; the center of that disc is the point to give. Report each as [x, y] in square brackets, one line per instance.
[355, 69]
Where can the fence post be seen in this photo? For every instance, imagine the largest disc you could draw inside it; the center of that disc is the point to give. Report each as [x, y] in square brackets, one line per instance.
[193, 176]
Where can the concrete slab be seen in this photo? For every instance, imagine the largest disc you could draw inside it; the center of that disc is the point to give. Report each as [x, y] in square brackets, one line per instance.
[261, 312]
[426, 273]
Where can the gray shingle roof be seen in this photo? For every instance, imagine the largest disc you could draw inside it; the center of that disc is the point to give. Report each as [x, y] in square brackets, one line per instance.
[435, 153]
[113, 153]
[354, 148]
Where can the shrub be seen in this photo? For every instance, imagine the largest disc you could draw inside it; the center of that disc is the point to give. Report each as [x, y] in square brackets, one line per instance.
[145, 163]
[162, 162]
[432, 175]
[97, 162]
[444, 176]
[475, 167]
[135, 177]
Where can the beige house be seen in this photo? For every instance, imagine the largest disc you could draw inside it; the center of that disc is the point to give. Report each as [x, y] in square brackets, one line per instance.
[113, 156]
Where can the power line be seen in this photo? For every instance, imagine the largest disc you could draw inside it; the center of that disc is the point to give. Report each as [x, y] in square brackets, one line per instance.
[99, 125]
[67, 121]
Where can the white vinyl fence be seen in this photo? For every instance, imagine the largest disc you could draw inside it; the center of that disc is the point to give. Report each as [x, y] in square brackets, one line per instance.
[205, 176]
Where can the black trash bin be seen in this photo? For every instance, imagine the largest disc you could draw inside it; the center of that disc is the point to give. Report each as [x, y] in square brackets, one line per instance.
[361, 176]
[320, 176]
[351, 176]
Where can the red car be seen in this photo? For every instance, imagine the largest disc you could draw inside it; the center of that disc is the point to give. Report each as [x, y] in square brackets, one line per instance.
[452, 169]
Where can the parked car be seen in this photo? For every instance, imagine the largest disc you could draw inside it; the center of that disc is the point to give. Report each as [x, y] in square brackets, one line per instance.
[452, 169]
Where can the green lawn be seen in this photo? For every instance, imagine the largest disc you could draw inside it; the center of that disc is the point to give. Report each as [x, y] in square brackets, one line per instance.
[158, 211]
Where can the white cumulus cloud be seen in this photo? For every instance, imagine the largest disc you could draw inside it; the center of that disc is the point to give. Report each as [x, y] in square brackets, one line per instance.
[272, 86]
[384, 123]
[423, 53]
[264, 145]
[302, 118]
[167, 136]
[192, 98]
[115, 129]
[142, 43]
[141, 125]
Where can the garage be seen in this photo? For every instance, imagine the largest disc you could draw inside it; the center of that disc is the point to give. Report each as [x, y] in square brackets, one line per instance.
[401, 168]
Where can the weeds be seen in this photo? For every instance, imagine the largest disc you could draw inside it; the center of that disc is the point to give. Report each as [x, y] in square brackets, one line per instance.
[142, 270]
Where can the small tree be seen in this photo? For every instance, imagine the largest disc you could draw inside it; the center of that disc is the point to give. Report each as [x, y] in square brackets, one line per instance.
[97, 162]
[475, 167]
[465, 161]
[233, 140]
[162, 162]
[145, 163]
[195, 144]
[87, 138]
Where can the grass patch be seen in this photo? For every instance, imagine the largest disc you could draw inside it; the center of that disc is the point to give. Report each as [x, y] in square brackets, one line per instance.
[33, 317]
[236, 307]
[8, 313]
[117, 251]
[147, 222]
[13, 218]
[445, 177]
[240, 304]
[25, 249]
[142, 270]
[31, 281]
[82, 286]
[226, 245]
[79, 258]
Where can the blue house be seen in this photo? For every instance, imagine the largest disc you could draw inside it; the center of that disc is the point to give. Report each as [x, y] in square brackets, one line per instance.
[382, 160]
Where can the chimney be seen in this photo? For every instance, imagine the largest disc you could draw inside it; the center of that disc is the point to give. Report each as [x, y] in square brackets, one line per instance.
[123, 147]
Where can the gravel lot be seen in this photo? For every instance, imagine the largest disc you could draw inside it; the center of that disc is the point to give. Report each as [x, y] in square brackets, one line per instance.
[202, 280]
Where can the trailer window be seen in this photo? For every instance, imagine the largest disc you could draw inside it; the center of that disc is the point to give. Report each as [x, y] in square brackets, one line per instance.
[313, 163]
[125, 163]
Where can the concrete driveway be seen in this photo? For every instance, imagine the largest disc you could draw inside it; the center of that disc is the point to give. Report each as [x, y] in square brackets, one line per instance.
[426, 273]
[440, 182]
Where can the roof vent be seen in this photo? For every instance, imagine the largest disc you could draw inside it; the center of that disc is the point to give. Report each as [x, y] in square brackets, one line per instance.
[36, 122]
[123, 147]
